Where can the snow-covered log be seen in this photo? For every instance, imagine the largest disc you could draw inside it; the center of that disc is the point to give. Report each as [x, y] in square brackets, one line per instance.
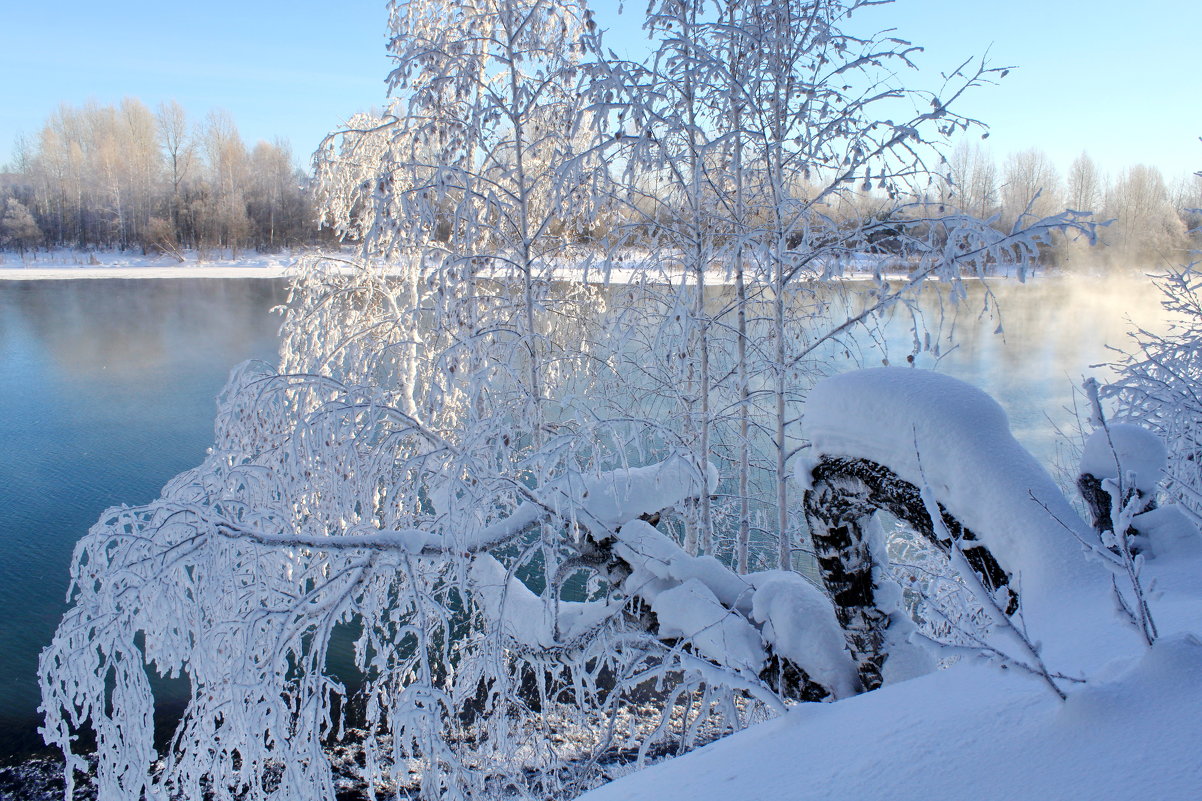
[773, 626]
[891, 439]
[843, 495]
[1131, 457]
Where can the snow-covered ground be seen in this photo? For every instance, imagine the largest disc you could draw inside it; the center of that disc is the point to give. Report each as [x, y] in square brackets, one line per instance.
[1131, 725]
[1134, 730]
[968, 733]
[63, 264]
[977, 732]
[60, 264]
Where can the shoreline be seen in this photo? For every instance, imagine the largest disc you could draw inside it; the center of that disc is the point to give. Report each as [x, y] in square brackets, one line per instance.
[68, 273]
[74, 265]
[285, 270]
[63, 265]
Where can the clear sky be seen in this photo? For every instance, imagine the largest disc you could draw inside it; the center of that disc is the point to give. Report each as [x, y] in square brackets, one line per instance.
[1122, 81]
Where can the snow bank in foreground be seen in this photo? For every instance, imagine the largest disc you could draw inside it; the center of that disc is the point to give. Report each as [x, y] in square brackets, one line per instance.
[936, 431]
[977, 732]
[967, 733]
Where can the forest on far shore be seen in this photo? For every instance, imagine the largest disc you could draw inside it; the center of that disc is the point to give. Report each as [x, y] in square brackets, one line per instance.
[125, 177]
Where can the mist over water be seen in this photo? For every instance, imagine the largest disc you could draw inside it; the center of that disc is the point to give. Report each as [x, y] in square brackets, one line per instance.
[1032, 350]
[107, 391]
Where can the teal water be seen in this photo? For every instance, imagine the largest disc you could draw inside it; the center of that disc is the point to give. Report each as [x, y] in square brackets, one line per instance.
[107, 390]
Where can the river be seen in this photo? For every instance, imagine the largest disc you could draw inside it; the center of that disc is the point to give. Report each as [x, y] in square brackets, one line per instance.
[107, 391]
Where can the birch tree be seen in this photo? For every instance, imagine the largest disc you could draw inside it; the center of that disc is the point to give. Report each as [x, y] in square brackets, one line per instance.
[500, 488]
[974, 180]
[1030, 187]
[754, 130]
[1084, 185]
[1146, 226]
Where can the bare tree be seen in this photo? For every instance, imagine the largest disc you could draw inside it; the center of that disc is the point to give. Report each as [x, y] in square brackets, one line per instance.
[974, 180]
[18, 229]
[279, 211]
[1146, 226]
[1085, 187]
[179, 150]
[1187, 199]
[1030, 187]
[226, 180]
[99, 175]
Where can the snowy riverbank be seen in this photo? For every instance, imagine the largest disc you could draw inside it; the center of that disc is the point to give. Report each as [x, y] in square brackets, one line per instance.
[77, 264]
[74, 264]
[977, 732]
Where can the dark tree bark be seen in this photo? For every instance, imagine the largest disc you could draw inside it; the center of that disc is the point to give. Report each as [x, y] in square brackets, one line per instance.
[844, 495]
[1098, 500]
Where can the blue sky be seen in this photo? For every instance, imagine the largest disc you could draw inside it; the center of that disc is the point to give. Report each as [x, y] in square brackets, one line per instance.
[1123, 81]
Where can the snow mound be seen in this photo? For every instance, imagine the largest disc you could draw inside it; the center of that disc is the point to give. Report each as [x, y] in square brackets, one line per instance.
[649, 550]
[1169, 532]
[968, 732]
[616, 496]
[1129, 448]
[691, 610]
[522, 615]
[798, 619]
[937, 432]
[976, 732]
[700, 598]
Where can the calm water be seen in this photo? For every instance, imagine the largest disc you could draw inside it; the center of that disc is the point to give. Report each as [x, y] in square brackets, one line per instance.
[107, 388]
[106, 391]
[1054, 332]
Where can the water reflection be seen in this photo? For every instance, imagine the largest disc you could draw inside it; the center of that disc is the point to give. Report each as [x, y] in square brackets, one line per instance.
[1053, 332]
[107, 390]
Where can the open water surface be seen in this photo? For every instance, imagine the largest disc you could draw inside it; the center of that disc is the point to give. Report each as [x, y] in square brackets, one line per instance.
[107, 391]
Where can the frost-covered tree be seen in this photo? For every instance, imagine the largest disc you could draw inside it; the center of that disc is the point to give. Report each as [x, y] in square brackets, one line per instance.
[469, 525]
[18, 229]
[1085, 186]
[1030, 187]
[974, 180]
[1146, 227]
[1158, 381]
[179, 150]
[98, 175]
[756, 130]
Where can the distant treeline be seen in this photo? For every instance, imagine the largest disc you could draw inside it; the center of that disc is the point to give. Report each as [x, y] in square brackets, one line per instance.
[1152, 219]
[126, 177]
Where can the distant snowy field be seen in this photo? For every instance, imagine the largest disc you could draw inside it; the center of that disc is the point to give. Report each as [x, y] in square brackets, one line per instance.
[61, 264]
[66, 264]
